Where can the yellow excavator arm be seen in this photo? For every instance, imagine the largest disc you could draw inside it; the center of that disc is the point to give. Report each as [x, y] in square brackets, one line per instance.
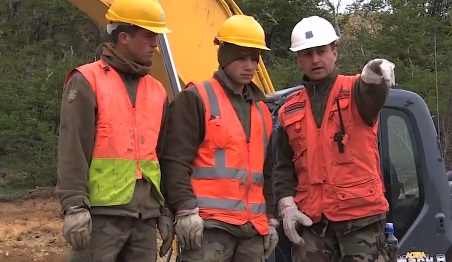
[187, 53]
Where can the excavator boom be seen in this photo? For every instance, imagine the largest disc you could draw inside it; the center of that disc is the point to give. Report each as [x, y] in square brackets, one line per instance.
[187, 53]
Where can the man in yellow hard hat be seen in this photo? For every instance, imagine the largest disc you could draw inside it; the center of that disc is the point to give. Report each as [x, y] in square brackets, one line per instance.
[110, 141]
[216, 145]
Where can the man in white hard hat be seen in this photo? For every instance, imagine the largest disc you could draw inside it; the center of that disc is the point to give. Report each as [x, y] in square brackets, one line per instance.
[327, 177]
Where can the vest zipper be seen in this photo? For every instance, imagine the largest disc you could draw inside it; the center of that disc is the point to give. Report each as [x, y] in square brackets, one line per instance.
[137, 147]
[250, 181]
[322, 185]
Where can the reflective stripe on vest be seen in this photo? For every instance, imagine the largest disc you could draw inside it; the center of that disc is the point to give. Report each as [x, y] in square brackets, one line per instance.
[126, 137]
[342, 185]
[215, 168]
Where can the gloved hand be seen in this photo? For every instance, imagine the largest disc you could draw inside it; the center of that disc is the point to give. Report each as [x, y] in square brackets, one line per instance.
[291, 217]
[378, 70]
[189, 228]
[77, 227]
[166, 229]
[271, 240]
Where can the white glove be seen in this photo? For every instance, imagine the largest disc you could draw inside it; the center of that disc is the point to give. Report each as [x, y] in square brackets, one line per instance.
[271, 240]
[291, 217]
[77, 227]
[377, 70]
[189, 228]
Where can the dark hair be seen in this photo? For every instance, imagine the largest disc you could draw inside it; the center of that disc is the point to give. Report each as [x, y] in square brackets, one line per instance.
[333, 45]
[129, 29]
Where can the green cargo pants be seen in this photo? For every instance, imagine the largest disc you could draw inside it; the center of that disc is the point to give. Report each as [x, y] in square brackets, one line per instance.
[366, 244]
[220, 246]
[119, 239]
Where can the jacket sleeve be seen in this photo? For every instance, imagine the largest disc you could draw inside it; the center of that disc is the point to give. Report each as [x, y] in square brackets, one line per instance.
[369, 99]
[185, 133]
[161, 142]
[163, 130]
[268, 181]
[285, 178]
[75, 142]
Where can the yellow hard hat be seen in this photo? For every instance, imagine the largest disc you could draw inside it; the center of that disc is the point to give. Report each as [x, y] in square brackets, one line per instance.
[244, 31]
[147, 14]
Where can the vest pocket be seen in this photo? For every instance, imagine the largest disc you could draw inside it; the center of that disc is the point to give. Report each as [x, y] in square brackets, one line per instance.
[340, 132]
[301, 194]
[293, 124]
[359, 193]
[300, 158]
[218, 133]
[295, 128]
[344, 157]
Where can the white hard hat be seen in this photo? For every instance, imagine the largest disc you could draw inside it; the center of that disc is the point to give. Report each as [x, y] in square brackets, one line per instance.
[311, 32]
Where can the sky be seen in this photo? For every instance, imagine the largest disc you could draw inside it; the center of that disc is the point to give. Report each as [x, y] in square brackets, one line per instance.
[344, 3]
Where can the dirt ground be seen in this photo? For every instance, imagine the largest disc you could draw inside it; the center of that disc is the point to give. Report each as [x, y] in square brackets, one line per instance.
[30, 229]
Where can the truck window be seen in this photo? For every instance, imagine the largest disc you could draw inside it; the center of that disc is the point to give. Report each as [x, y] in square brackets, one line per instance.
[400, 161]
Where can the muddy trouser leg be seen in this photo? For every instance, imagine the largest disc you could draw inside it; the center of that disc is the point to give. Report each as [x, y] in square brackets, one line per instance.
[316, 248]
[249, 250]
[79, 256]
[217, 246]
[109, 234]
[141, 246]
[365, 244]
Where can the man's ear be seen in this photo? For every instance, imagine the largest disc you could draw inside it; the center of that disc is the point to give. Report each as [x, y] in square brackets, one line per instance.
[123, 38]
[297, 58]
[335, 52]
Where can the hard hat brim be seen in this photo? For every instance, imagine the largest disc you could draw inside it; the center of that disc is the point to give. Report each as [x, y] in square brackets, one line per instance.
[157, 30]
[244, 44]
[312, 45]
[256, 46]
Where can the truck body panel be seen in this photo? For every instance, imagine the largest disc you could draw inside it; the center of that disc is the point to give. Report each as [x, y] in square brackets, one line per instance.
[414, 173]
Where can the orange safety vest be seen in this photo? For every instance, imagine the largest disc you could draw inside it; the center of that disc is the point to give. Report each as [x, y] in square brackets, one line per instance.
[126, 137]
[227, 176]
[343, 186]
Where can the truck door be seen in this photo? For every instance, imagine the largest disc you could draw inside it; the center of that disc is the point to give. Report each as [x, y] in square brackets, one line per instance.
[415, 178]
